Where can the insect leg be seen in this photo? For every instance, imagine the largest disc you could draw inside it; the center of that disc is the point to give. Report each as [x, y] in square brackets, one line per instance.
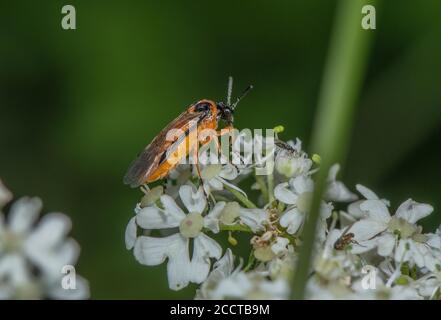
[222, 132]
[198, 169]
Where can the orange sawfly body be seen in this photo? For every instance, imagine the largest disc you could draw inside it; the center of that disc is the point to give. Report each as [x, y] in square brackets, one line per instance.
[153, 163]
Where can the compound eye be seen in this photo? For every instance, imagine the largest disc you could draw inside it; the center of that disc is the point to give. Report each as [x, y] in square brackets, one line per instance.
[202, 107]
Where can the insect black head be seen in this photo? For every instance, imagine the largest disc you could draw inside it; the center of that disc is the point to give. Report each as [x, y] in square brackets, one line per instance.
[225, 112]
[226, 109]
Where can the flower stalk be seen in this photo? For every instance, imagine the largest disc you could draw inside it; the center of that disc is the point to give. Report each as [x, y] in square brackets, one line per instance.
[340, 87]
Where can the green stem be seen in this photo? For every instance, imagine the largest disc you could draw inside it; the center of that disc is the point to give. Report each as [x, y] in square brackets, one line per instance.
[341, 84]
[250, 263]
[245, 201]
[235, 227]
[270, 178]
[261, 182]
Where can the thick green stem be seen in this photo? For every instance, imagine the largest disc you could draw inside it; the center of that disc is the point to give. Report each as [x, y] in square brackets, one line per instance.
[340, 87]
[245, 201]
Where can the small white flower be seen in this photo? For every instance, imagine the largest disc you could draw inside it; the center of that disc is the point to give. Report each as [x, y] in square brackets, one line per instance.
[380, 229]
[298, 191]
[45, 248]
[332, 264]
[256, 218]
[222, 269]
[280, 246]
[385, 292]
[282, 266]
[292, 163]
[331, 290]
[429, 286]
[354, 208]
[297, 194]
[250, 286]
[153, 251]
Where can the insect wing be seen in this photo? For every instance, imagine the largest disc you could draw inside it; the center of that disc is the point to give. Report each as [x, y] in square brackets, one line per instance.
[154, 154]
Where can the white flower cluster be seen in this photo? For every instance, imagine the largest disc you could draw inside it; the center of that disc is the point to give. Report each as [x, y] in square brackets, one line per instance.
[34, 255]
[361, 250]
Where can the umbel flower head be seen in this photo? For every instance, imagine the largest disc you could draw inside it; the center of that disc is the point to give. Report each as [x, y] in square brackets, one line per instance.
[186, 226]
[361, 251]
[34, 253]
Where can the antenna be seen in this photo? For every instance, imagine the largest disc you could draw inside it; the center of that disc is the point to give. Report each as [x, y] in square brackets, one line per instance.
[229, 90]
[244, 93]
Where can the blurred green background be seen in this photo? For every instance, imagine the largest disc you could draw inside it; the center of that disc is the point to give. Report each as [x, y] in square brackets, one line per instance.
[76, 106]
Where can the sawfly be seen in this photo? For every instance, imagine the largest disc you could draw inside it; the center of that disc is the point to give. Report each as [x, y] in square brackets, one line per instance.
[166, 150]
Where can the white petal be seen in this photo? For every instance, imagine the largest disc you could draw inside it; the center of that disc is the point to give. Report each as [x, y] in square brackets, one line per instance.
[434, 240]
[211, 220]
[24, 213]
[366, 192]
[292, 220]
[280, 246]
[50, 231]
[50, 261]
[417, 253]
[386, 244]
[68, 252]
[14, 268]
[275, 290]
[413, 211]
[254, 218]
[178, 266]
[325, 210]
[228, 172]
[170, 206]
[234, 287]
[225, 265]
[355, 210]
[214, 184]
[152, 251]
[130, 234]
[333, 171]
[365, 229]
[155, 218]
[376, 210]
[204, 248]
[363, 246]
[345, 219]
[194, 201]
[284, 194]
[429, 259]
[337, 191]
[332, 237]
[302, 184]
